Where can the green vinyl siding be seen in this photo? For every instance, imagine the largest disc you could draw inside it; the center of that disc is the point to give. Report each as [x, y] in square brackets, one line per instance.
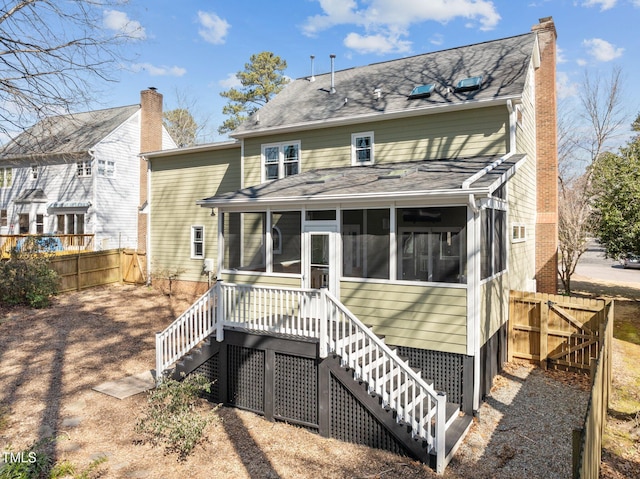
[462, 134]
[262, 280]
[522, 197]
[494, 306]
[418, 316]
[177, 182]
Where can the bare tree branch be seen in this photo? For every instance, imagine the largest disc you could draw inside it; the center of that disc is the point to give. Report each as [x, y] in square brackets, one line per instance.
[53, 57]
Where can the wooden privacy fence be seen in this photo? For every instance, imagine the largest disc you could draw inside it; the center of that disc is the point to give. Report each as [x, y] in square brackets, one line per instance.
[555, 330]
[561, 331]
[86, 270]
[587, 441]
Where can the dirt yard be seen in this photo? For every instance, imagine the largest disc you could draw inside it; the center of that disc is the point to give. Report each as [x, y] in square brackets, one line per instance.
[50, 360]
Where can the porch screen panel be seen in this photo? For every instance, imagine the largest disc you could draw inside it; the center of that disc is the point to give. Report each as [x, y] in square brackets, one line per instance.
[365, 243]
[432, 244]
[244, 235]
[286, 243]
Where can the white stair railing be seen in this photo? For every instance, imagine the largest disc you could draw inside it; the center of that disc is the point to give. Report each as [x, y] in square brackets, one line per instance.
[190, 328]
[313, 314]
[416, 403]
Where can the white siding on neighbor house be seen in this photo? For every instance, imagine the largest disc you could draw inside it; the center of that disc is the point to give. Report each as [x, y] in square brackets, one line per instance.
[117, 199]
[59, 182]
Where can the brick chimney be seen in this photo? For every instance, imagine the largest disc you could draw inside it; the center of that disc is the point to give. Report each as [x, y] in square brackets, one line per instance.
[150, 140]
[546, 159]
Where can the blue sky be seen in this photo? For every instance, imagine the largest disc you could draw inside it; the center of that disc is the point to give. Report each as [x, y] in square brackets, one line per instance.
[194, 48]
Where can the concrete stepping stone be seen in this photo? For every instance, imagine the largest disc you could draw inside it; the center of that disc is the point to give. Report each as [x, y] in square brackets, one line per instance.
[128, 386]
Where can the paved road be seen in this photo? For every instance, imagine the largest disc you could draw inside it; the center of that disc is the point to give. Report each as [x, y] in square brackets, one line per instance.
[593, 264]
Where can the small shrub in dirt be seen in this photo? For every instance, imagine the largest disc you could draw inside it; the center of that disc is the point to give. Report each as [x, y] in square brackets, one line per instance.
[27, 278]
[32, 463]
[171, 416]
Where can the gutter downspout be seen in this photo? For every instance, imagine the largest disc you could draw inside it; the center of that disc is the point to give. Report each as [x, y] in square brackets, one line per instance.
[473, 296]
[148, 241]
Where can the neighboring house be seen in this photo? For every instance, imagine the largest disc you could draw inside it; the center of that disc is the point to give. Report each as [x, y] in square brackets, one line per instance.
[413, 193]
[81, 174]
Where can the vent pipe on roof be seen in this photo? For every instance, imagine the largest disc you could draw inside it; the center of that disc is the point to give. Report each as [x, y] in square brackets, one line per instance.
[333, 86]
[313, 78]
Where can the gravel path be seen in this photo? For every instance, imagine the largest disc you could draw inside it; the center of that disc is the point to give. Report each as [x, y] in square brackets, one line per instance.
[525, 427]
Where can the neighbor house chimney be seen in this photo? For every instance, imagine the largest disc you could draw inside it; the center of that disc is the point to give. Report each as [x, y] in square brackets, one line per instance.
[546, 159]
[150, 140]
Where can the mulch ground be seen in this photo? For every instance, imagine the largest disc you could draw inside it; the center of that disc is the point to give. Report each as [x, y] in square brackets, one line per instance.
[50, 359]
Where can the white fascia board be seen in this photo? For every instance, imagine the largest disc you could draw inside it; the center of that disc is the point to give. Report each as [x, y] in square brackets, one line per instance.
[379, 116]
[222, 145]
[377, 198]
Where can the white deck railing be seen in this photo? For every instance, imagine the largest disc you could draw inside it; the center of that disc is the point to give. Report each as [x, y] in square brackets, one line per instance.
[190, 328]
[311, 313]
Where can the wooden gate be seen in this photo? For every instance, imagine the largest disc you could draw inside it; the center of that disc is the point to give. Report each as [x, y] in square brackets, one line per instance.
[133, 268]
[556, 330]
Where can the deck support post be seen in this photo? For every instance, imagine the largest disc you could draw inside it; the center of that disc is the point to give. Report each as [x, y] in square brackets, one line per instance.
[324, 320]
[441, 419]
[219, 295]
[159, 372]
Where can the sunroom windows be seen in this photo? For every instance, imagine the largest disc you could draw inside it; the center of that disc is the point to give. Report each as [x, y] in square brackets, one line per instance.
[401, 244]
[431, 244]
[280, 160]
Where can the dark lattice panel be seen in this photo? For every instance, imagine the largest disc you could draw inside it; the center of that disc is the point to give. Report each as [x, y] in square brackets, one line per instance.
[209, 369]
[245, 369]
[296, 388]
[444, 369]
[351, 422]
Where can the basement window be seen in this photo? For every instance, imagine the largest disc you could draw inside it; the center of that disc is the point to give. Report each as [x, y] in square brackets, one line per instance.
[422, 91]
[469, 84]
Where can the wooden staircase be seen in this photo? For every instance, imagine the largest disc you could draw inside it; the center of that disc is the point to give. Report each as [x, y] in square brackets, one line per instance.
[400, 399]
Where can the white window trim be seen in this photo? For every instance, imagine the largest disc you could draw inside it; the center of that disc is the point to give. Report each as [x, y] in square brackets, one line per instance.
[354, 161]
[86, 164]
[279, 145]
[518, 238]
[192, 244]
[107, 172]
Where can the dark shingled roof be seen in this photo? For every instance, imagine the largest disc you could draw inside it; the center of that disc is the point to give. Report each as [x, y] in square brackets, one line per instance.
[391, 179]
[502, 64]
[67, 135]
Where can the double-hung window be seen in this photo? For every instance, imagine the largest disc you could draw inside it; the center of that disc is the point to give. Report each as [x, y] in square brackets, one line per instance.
[362, 149]
[197, 242]
[280, 160]
[106, 168]
[84, 168]
[34, 172]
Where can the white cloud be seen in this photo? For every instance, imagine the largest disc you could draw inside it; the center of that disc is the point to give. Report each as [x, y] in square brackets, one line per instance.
[437, 39]
[560, 58]
[397, 15]
[119, 21]
[604, 4]
[214, 29]
[564, 86]
[602, 50]
[379, 44]
[231, 81]
[157, 71]
[385, 22]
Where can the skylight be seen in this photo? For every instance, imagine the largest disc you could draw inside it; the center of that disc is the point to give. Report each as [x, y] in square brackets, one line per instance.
[422, 91]
[469, 84]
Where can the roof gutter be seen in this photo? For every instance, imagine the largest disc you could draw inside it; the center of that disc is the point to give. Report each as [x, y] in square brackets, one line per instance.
[377, 116]
[222, 145]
